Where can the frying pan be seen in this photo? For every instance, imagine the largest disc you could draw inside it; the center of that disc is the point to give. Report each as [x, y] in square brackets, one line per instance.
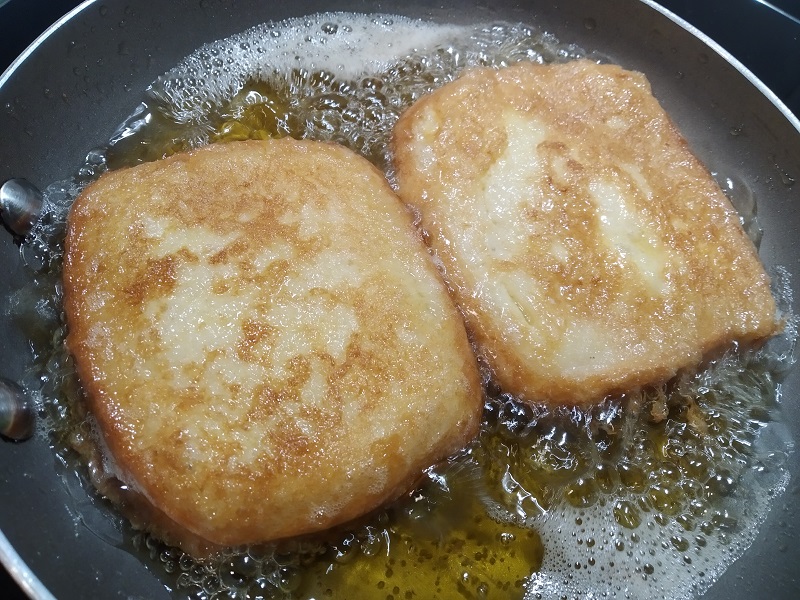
[86, 75]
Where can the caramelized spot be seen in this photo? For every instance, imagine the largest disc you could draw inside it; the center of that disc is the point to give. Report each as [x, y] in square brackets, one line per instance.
[254, 333]
[158, 279]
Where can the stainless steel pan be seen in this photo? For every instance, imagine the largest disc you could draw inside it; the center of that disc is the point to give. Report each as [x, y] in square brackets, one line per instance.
[76, 84]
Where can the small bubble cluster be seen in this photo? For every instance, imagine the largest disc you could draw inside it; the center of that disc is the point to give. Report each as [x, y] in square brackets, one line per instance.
[650, 494]
[347, 88]
[654, 494]
[432, 542]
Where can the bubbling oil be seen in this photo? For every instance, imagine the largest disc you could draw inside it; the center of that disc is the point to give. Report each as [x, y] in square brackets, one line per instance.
[651, 494]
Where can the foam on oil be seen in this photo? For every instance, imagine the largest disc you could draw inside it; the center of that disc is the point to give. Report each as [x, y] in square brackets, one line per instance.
[649, 495]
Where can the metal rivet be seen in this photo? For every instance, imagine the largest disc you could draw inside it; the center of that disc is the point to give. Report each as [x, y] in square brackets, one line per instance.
[20, 205]
[17, 414]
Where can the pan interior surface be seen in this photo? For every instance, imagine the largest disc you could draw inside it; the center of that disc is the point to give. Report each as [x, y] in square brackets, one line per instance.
[692, 82]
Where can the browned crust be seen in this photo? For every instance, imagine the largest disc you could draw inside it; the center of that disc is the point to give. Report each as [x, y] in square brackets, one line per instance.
[261, 461]
[600, 120]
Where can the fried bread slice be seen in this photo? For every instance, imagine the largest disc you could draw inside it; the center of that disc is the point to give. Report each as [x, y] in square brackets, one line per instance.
[588, 248]
[263, 340]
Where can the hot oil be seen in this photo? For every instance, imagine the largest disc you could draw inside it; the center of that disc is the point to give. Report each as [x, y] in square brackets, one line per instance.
[436, 542]
[654, 494]
[327, 78]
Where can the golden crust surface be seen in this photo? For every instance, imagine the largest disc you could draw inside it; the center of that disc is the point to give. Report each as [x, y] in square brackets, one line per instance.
[262, 339]
[589, 250]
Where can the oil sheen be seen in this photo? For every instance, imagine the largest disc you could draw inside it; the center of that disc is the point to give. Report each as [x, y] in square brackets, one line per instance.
[647, 495]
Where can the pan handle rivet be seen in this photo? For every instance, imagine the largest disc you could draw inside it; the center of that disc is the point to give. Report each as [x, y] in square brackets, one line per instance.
[17, 413]
[20, 205]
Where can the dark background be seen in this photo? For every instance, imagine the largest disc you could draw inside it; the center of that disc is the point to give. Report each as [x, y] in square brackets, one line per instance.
[764, 36]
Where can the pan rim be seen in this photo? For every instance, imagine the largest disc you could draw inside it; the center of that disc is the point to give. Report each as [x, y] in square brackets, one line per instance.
[22, 574]
[34, 45]
[727, 57]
